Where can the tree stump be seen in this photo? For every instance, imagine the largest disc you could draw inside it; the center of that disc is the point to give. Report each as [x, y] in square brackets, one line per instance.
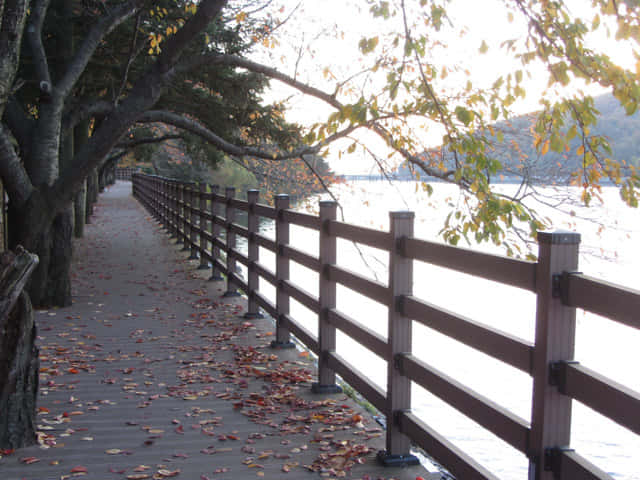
[19, 361]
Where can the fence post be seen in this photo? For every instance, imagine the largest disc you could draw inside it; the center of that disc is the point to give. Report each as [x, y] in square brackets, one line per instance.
[253, 224]
[327, 290]
[554, 342]
[186, 224]
[163, 203]
[399, 341]
[193, 233]
[283, 337]
[215, 233]
[230, 215]
[158, 198]
[180, 211]
[204, 263]
[173, 208]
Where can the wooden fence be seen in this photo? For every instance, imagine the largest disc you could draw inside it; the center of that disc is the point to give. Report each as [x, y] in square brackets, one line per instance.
[125, 173]
[186, 211]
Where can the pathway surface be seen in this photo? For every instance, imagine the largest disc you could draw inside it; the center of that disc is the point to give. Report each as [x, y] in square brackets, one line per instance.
[153, 374]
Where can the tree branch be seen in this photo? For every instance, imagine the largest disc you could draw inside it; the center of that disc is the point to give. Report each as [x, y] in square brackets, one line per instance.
[233, 61]
[14, 177]
[34, 37]
[133, 53]
[147, 140]
[273, 153]
[12, 23]
[83, 111]
[96, 35]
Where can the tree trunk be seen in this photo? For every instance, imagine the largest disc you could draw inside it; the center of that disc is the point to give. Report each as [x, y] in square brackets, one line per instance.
[19, 362]
[58, 287]
[80, 211]
[32, 227]
[92, 194]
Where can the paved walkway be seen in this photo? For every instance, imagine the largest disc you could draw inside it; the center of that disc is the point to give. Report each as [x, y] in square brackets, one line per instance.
[152, 374]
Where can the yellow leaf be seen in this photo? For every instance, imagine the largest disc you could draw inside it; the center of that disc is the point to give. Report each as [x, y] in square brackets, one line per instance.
[545, 148]
[580, 150]
[241, 17]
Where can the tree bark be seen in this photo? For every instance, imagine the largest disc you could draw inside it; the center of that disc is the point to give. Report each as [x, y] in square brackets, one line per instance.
[92, 194]
[19, 362]
[80, 211]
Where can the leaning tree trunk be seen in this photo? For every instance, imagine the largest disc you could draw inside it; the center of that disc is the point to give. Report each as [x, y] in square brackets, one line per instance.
[19, 362]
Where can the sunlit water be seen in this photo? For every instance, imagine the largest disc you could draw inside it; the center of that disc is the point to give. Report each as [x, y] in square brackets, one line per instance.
[609, 250]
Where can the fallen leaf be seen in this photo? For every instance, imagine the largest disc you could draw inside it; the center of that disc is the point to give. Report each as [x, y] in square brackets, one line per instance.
[164, 473]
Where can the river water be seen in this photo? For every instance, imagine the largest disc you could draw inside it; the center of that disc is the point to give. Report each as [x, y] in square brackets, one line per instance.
[610, 232]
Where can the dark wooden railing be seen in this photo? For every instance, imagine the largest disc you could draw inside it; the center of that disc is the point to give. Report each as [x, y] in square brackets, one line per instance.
[125, 173]
[194, 216]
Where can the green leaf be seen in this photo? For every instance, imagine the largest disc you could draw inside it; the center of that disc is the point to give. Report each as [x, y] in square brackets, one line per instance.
[463, 115]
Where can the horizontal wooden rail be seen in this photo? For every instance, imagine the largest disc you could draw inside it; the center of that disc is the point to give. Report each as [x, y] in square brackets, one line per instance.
[265, 273]
[517, 273]
[603, 298]
[496, 419]
[460, 464]
[238, 281]
[302, 296]
[611, 399]
[238, 255]
[305, 336]
[268, 307]
[265, 211]
[303, 258]
[500, 345]
[358, 380]
[239, 229]
[369, 288]
[239, 204]
[572, 466]
[301, 219]
[366, 337]
[366, 236]
[265, 242]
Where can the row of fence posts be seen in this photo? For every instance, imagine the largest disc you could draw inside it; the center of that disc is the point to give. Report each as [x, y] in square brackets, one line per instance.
[555, 324]
[401, 279]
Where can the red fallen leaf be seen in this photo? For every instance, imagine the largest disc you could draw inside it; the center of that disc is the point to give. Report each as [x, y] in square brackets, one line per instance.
[79, 469]
[43, 410]
[73, 370]
[180, 430]
[119, 472]
[6, 451]
[204, 477]
[29, 460]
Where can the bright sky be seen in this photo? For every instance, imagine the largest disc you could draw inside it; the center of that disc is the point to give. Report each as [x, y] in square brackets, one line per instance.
[330, 35]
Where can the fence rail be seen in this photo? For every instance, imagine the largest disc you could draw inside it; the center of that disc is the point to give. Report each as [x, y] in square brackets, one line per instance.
[205, 223]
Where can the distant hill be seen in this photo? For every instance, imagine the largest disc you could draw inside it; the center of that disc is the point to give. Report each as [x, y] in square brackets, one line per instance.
[518, 155]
